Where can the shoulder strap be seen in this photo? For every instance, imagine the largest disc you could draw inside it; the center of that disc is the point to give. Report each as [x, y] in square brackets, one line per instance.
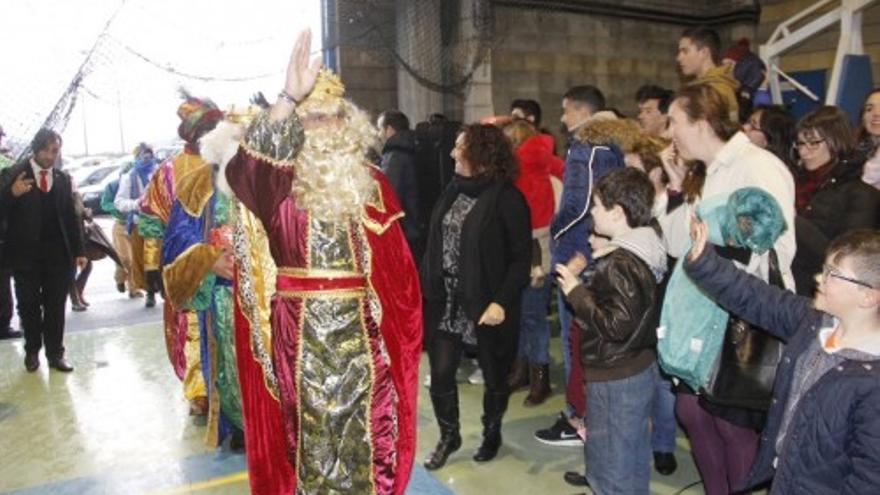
[775, 274]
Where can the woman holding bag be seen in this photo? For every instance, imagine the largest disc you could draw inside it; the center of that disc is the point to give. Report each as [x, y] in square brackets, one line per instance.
[724, 439]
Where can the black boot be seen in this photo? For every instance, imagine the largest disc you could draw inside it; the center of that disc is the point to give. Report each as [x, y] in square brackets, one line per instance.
[446, 411]
[494, 406]
[540, 385]
[519, 374]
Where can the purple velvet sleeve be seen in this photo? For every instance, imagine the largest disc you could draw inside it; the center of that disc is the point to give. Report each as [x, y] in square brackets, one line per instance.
[259, 185]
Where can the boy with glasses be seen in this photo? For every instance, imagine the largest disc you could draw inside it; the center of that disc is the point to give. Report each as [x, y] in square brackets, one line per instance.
[824, 418]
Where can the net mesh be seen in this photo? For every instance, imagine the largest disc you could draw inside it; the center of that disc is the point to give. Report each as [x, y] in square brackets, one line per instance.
[105, 73]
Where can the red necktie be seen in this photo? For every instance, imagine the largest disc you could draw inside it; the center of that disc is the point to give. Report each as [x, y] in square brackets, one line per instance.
[44, 184]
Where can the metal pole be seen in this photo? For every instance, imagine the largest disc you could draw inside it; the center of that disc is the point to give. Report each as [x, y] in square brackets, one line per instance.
[85, 130]
[119, 112]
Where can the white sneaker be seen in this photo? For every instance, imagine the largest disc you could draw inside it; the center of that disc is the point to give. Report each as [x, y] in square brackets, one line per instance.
[476, 377]
[428, 380]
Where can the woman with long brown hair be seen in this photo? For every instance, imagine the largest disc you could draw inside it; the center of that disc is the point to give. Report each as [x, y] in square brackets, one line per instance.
[724, 439]
[475, 266]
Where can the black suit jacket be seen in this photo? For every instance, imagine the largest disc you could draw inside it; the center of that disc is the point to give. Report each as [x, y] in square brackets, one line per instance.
[22, 216]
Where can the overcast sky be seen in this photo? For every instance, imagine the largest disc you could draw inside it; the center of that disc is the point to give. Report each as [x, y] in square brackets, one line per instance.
[152, 47]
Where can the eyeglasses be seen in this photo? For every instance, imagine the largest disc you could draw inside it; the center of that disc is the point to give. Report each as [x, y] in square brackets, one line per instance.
[810, 144]
[830, 271]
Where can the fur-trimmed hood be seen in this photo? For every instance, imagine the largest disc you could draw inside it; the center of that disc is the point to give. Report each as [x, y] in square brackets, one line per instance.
[623, 133]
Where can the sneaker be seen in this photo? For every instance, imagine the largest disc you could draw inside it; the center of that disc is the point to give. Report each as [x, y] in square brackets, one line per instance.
[476, 378]
[151, 300]
[427, 381]
[561, 434]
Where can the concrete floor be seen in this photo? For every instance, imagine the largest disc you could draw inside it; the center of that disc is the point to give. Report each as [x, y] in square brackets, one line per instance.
[119, 423]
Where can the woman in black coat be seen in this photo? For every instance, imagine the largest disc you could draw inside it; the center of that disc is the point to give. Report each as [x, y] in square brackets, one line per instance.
[476, 264]
[831, 198]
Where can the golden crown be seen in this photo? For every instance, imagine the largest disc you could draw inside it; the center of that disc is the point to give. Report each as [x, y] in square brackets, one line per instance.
[242, 114]
[328, 87]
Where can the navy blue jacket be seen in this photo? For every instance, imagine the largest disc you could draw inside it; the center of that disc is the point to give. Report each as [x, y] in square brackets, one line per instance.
[833, 441]
[572, 225]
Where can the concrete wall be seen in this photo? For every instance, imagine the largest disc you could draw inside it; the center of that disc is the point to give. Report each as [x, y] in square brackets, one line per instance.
[536, 53]
[543, 53]
[818, 52]
[366, 32]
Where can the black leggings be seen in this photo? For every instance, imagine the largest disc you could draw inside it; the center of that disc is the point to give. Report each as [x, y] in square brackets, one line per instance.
[496, 350]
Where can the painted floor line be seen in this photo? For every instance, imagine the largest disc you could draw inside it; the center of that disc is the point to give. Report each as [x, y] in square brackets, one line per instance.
[204, 485]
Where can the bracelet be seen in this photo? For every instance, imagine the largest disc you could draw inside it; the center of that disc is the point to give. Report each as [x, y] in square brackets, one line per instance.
[284, 95]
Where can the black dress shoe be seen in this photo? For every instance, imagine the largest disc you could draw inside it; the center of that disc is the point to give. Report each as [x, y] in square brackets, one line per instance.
[665, 463]
[60, 364]
[236, 441]
[9, 333]
[575, 479]
[31, 362]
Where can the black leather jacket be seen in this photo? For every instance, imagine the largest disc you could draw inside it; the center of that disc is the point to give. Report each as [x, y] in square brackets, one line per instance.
[618, 311]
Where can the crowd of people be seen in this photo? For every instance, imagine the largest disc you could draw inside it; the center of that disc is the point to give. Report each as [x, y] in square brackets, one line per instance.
[713, 263]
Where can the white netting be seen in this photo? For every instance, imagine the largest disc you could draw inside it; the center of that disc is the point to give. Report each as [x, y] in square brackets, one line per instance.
[106, 73]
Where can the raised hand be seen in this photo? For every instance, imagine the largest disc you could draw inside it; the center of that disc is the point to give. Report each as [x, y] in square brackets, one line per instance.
[700, 235]
[675, 167]
[301, 75]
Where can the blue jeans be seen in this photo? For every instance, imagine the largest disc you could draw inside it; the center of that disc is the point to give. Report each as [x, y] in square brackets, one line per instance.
[618, 446]
[663, 422]
[534, 333]
[565, 319]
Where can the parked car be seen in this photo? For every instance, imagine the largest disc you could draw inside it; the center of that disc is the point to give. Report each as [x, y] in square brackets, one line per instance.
[79, 167]
[92, 187]
[94, 175]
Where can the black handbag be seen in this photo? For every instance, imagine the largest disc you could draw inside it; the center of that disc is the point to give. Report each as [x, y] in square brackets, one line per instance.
[744, 372]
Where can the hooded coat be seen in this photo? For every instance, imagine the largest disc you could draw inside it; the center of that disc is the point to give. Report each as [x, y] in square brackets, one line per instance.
[595, 150]
[721, 79]
[536, 164]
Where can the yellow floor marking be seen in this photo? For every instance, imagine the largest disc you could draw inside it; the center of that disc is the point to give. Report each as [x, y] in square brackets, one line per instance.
[204, 485]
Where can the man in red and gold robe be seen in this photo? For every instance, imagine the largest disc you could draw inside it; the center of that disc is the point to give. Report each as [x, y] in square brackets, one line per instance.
[332, 383]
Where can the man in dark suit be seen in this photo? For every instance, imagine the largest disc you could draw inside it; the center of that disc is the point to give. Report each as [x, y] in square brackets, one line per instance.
[43, 241]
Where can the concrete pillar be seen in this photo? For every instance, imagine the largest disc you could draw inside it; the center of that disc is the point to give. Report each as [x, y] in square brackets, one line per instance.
[478, 93]
[419, 45]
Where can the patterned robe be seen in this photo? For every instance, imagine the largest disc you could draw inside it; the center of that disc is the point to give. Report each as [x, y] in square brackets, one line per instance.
[198, 231]
[181, 325]
[333, 383]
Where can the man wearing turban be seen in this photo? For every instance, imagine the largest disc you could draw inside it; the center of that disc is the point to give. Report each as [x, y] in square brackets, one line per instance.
[182, 325]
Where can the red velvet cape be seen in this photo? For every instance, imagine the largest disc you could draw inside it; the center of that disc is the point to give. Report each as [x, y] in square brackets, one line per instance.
[395, 280]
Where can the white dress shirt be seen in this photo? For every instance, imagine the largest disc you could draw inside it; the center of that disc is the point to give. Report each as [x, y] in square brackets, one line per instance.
[37, 169]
